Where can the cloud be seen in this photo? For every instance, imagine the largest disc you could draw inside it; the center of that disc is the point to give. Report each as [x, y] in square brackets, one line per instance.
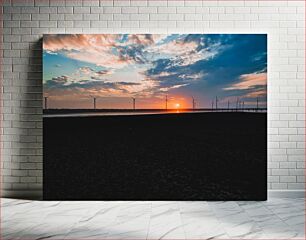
[107, 50]
[96, 48]
[86, 70]
[174, 48]
[61, 79]
[257, 93]
[103, 72]
[70, 42]
[166, 89]
[248, 81]
[64, 84]
[195, 76]
[184, 52]
[89, 71]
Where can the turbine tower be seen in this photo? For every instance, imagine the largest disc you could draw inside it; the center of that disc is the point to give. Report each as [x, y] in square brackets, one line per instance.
[216, 102]
[94, 103]
[46, 102]
[193, 103]
[166, 101]
[134, 103]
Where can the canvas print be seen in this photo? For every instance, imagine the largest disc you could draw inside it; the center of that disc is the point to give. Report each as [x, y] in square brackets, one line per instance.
[155, 117]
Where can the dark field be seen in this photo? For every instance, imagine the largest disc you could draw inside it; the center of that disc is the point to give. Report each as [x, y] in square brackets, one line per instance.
[184, 156]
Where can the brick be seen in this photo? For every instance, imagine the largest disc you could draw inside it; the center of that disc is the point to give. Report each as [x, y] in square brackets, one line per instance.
[296, 186]
[40, 16]
[159, 17]
[29, 10]
[82, 24]
[21, 17]
[157, 3]
[60, 3]
[130, 24]
[176, 17]
[121, 17]
[64, 10]
[186, 10]
[81, 9]
[148, 24]
[95, 3]
[112, 10]
[74, 16]
[98, 24]
[196, 3]
[48, 10]
[147, 9]
[11, 9]
[11, 24]
[11, 179]
[48, 24]
[57, 17]
[189, 17]
[105, 17]
[121, 3]
[74, 3]
[106, 3]
[96, 10]
[42, 3]
[296, 172]
[139, 3]
[19, 173]
[166, 10]
[140, 17]
[26, 24]
[279, 185]
[287, 165]
[25, 3]
[129, 10]
[64, 24]
[288, 179]
[202, 10]
[113, 24]
[28, 179]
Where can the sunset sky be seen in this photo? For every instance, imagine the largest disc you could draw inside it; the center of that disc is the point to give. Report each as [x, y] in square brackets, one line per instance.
[115, 68]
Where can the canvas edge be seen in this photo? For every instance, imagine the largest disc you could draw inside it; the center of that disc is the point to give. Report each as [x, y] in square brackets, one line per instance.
[38, 194]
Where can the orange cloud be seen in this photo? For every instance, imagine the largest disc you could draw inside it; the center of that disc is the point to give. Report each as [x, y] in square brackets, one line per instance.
[249, 81]
[96, 48]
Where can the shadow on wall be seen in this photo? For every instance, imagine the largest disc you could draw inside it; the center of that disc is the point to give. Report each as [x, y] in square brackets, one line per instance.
[29, 155]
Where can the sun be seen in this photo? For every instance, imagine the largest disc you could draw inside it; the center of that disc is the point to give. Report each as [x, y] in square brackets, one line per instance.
[177, 105]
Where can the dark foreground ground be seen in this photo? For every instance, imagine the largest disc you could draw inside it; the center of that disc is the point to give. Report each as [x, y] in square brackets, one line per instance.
[184, 156]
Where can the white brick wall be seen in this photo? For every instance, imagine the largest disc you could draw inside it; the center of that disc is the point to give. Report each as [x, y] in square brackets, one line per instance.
[24, 22]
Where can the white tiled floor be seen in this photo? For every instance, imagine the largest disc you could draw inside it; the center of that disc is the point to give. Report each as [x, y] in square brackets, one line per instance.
[273, 219]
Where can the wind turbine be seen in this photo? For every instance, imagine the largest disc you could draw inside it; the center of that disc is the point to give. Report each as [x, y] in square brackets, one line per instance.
[134, 103]
[193, 103]
[94, 101]
[46, 102]
[216, 102]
